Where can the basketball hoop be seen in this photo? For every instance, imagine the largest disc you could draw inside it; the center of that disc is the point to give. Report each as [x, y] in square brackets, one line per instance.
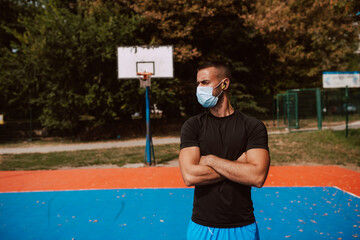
[145, 79]
[145, 62]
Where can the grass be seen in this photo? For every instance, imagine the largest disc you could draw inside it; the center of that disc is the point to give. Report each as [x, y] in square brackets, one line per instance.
[56, 160]
[316, 148]
[301, 148]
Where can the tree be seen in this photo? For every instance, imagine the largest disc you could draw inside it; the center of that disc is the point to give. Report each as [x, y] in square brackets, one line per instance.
[14, 99]
[200, 31]
[65, 63]
[303, 39]
[11, 10]
[62, 57]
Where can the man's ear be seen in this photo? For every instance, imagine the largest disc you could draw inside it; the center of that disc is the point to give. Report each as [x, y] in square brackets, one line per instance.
[226, 84]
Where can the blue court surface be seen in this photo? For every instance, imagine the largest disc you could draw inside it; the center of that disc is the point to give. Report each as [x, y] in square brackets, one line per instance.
[281, 213]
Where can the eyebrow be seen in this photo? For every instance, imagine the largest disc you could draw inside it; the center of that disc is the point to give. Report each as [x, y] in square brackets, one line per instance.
[202, 81]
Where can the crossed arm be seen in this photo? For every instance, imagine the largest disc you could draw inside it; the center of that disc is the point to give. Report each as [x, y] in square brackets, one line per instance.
[250, 168]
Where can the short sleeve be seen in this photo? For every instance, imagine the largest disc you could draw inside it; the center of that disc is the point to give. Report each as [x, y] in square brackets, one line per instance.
[257, 135]
[189, 136]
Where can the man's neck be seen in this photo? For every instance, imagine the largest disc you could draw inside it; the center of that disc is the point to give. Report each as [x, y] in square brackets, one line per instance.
[223, 108]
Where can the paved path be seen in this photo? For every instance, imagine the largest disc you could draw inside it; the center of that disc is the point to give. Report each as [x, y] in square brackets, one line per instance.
[120, 144]
[86, 146]
[339, 127]
[353, 125]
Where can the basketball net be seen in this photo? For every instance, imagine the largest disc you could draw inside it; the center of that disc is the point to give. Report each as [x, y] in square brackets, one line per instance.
[145, 79]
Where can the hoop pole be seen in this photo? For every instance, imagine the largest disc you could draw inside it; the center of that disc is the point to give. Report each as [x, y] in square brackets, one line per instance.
[346, 111]
[149, 149]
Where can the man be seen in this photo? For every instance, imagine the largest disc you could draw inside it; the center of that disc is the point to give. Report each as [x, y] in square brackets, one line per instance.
[223, 154]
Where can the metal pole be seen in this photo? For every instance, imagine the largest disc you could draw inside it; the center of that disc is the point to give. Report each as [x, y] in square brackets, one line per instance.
[346, 111]
[277, 109]
[30, 124]
[318, 108]
[296, 110]
[148, 136]
[288, 110]
[273, 110]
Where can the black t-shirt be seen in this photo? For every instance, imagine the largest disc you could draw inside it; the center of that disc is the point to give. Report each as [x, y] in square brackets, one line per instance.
[225, 204]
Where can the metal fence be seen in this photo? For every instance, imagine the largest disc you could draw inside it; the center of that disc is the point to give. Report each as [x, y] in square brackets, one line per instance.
[311, 109]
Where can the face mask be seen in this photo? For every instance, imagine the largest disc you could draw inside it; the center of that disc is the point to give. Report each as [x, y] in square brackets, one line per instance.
[205, 97]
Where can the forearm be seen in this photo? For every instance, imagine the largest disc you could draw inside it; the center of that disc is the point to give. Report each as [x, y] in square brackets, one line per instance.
[243, 173]
[200, 175]
[246, 173]
[194, 174]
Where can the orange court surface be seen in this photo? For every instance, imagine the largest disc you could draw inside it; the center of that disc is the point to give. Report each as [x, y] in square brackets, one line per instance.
[167, 177]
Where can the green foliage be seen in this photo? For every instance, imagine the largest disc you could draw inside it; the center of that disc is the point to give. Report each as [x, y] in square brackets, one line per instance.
[11, 10]
[69, 63]
[58, 58]
[199, 31]
[303, 39]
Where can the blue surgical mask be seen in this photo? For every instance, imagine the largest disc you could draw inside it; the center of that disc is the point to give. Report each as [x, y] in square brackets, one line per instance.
[205, 97]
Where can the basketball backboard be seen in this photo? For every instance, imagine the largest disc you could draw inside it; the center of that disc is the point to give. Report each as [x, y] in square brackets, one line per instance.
[157, 60]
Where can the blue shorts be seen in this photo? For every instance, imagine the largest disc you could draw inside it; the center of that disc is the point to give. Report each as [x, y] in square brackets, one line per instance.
[199, 232]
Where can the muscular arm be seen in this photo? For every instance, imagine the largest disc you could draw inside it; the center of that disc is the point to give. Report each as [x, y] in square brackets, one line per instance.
[194, 174]
[250, 169]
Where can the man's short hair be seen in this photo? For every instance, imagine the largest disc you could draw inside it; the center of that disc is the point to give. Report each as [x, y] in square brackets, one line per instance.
[224, 68]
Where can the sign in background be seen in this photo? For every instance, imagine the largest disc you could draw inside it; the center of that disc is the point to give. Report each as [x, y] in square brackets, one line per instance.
[341, 79]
